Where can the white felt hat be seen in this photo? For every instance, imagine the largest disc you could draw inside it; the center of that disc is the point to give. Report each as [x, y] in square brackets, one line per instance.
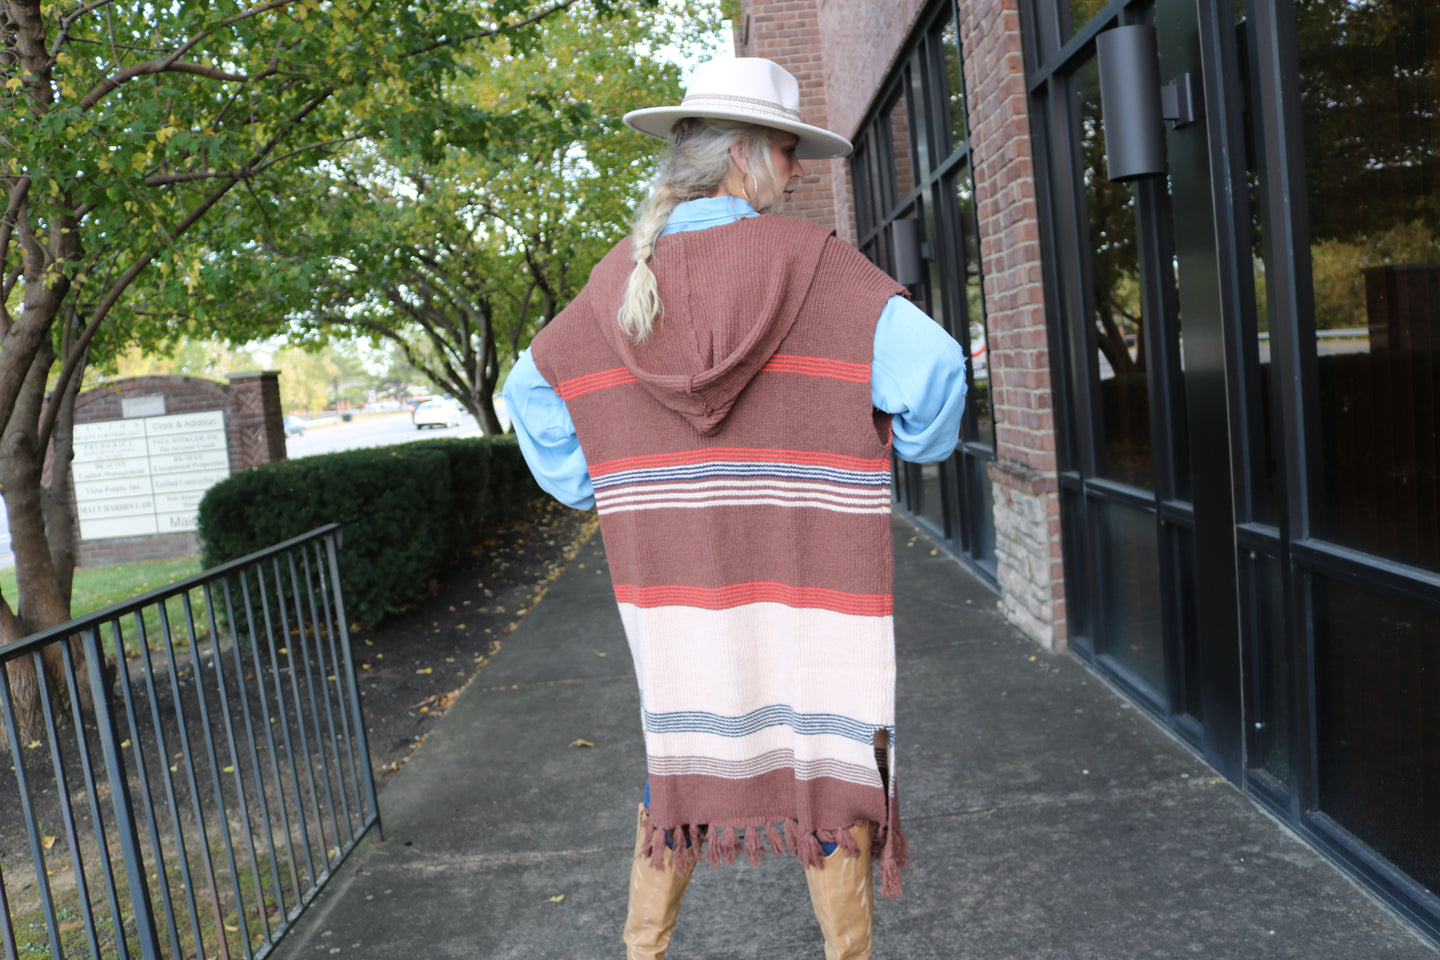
[747, 89]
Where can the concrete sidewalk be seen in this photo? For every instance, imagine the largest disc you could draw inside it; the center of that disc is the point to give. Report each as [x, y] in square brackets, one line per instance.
[1047, 817]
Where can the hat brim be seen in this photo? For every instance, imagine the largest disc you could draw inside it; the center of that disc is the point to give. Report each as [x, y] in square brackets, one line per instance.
[815, 143]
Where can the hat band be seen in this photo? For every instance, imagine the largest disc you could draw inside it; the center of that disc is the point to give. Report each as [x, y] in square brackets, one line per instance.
[750, 105]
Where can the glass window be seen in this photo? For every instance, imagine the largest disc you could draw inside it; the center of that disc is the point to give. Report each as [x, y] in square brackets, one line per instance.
[1133, 631]
[954, 84]
[973, 295]
[1082, 11]
[933, 486]
[1272, 668]
[1122, 394]
[1378, 723]
[1372, 165]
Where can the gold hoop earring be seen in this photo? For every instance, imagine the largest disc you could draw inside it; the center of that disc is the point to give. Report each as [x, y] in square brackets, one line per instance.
[749, 192]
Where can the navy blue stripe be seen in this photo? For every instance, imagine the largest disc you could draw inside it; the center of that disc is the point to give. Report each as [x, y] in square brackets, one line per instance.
[807, 724]
[854, 478]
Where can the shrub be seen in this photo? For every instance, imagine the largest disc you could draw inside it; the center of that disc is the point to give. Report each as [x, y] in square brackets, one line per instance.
[406, 511]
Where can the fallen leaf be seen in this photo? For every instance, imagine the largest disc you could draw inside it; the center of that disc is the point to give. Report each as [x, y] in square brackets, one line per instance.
[558, 898]
[581, 743]
[47, 842]
[232, 929]
[32, 744]
[426, 670]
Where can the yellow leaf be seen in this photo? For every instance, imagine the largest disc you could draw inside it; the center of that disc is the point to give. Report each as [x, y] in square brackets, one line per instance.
[14, 83]
[32, 744]
[228, 770]
[47, 842]
[558, 898]
[426, 670]
[581, 743]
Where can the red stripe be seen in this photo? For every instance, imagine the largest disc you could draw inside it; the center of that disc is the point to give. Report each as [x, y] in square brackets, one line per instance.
[739, 594]
[818, 367]
[740, 454]
[591, 382]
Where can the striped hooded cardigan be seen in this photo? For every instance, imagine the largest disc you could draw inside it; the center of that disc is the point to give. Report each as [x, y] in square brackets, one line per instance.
[742, 479]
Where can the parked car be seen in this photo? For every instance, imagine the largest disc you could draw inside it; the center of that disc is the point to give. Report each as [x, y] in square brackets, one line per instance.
[436, 413]
[294, 425]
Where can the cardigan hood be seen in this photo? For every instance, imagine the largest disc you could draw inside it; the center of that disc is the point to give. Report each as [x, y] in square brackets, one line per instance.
[712, 337]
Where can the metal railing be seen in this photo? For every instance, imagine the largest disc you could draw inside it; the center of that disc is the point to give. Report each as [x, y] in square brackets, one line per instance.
[193, 770]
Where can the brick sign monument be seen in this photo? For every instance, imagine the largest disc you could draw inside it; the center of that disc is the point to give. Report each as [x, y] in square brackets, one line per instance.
[147, 449]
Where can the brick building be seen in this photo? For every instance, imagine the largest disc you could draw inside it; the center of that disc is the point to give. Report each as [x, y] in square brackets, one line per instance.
[1201, 453]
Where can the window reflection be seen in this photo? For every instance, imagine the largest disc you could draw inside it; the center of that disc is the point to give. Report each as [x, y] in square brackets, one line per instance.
[1114, 307]
[1372, 161]
[973, 294]
[955, 85]
[1378, 745]
[1133, 628]
[1081, 12]
[902, 149]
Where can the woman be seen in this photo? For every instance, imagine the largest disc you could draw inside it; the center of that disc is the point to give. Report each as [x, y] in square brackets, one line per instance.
[726, 389]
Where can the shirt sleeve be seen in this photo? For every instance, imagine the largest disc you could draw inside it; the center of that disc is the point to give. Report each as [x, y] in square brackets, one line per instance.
[547, 435]
[918, 376]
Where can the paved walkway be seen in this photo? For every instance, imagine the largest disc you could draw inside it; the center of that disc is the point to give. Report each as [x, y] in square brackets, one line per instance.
[1047, 818]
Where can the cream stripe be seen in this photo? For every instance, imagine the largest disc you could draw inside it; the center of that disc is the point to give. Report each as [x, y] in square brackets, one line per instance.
[675, 492]
[757, 654]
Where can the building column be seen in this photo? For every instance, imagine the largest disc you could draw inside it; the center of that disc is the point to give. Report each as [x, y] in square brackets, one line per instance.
[254, 419]
[1027, 507]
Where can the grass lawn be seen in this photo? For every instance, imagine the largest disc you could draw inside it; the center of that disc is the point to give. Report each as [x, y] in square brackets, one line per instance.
[99, 587]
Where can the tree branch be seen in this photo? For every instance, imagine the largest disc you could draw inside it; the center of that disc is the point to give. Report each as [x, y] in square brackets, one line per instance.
[18, 193]
[68, 20]
[156, 66]
[161, 180]
[173, 63]
[495, 30]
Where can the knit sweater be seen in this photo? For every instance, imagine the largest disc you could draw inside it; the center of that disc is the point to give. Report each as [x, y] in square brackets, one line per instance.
[743, 483]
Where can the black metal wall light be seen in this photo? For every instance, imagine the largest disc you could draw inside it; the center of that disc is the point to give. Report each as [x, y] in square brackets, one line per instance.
[910, 249]
[1134, 106]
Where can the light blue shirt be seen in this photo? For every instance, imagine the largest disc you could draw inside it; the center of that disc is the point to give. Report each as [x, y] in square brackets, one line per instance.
[917, 375]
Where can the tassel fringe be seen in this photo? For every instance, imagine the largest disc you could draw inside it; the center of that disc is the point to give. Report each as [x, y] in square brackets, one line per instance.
[694, 843]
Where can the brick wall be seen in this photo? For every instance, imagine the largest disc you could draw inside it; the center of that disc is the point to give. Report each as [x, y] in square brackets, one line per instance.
[1027, 506]
[841, 50]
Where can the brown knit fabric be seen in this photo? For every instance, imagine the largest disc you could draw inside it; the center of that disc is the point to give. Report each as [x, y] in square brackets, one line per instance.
[742, 479]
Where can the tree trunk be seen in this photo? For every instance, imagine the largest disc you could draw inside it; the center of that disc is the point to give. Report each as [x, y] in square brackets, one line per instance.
[56, 500]
[485, 414]
[40, 603]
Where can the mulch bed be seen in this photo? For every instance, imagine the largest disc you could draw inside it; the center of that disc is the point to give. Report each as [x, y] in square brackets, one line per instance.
[412, 665]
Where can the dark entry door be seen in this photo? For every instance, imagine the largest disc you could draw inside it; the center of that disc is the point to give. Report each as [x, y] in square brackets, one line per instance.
[1145, 460]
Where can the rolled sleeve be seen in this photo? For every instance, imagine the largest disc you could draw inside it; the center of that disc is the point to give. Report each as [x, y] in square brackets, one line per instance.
[918, 376]
[547, 435]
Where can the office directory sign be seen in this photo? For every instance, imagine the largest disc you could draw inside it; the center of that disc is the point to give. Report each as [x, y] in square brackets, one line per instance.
[146, 475]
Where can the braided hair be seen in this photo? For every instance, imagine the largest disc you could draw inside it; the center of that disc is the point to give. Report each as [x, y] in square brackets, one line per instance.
[695, 166]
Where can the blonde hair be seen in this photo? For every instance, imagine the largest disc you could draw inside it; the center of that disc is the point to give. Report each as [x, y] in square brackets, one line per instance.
[695, 166]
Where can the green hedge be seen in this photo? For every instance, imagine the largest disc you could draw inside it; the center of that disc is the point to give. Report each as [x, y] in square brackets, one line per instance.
[406, 511]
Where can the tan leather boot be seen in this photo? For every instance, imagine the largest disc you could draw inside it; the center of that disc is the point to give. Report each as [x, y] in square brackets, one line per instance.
[843, 895]
[654, 901]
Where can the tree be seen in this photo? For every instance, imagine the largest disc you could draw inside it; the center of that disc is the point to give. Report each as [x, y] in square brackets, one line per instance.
[458, 259]
[123, 129]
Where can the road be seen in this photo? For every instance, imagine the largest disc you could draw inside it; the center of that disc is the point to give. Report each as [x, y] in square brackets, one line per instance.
[378, 430]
